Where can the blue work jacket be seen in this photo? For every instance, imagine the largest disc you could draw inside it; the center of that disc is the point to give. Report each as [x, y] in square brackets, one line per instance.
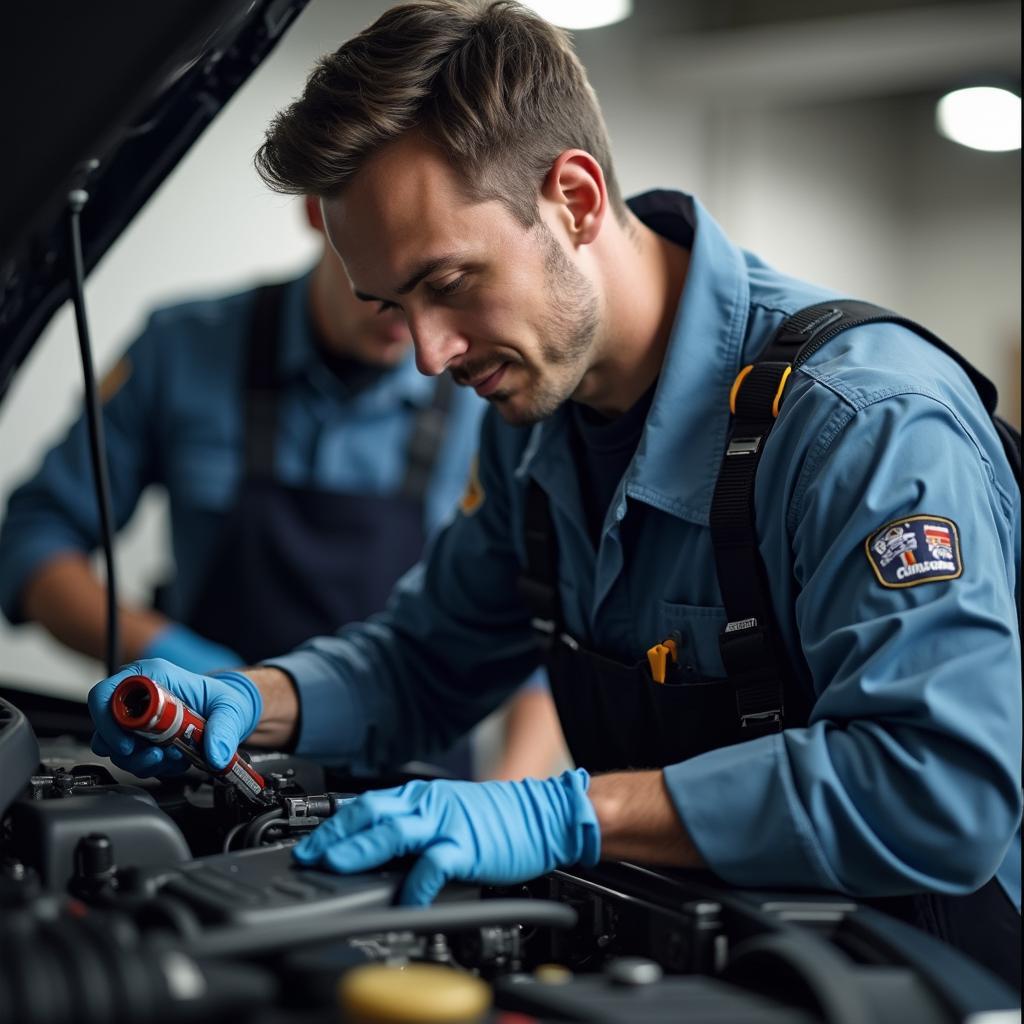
[907, 776]
[176, 418]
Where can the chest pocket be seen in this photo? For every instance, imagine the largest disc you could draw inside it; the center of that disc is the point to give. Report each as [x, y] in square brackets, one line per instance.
[698, 628]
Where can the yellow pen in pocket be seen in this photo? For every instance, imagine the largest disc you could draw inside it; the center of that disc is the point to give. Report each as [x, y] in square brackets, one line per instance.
[659, 656]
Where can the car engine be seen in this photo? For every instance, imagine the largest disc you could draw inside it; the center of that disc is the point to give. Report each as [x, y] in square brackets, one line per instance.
[177, 900]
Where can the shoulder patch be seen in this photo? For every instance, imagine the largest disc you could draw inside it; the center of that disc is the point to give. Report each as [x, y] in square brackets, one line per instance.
[473, 496]
[918, 549]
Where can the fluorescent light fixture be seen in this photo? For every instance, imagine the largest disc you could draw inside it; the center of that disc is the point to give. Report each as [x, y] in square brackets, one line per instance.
[981, 117]
[575, 14]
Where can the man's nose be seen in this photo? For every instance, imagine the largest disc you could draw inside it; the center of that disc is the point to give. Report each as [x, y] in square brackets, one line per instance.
[437, 342]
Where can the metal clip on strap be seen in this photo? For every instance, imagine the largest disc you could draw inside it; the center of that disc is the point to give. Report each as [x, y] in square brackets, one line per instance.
[744, 445]
[750, 663]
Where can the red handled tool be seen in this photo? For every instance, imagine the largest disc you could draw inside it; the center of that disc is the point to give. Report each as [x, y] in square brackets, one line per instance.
[142, 707]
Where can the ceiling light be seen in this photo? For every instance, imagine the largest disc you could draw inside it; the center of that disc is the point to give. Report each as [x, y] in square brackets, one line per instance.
[981, 117]
[575, 14]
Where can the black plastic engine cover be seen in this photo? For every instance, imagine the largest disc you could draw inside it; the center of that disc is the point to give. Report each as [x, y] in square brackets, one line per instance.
[46, 831]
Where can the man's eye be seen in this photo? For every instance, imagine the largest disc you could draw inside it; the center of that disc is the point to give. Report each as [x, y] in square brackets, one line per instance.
[451, 287]
[383, 305]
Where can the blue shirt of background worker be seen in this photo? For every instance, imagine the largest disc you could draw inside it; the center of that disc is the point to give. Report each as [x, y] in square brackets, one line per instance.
[178, 420]
[321, 497]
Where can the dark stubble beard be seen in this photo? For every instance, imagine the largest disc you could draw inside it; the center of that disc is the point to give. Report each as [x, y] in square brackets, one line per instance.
[566, 335]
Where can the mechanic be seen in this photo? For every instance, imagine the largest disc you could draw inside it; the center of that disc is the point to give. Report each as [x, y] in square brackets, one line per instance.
[463, 146]
[293, 510]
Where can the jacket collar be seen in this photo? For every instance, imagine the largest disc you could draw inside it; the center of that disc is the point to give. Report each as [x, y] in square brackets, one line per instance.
[679, 454]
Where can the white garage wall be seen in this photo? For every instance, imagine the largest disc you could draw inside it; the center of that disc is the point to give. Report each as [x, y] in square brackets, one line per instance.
[863, 196]
[876, 205]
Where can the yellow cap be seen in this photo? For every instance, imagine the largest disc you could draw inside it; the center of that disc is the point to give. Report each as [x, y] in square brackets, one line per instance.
[412, 994]
[552, 974]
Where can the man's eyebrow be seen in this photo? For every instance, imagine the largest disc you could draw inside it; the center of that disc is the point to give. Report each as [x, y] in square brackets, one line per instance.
[423, 270]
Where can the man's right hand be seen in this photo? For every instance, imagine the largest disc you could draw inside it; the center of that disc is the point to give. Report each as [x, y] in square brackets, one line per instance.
[229, 701]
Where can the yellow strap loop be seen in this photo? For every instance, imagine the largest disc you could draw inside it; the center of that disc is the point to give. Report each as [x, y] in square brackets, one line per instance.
[778, 394]
[735, 389]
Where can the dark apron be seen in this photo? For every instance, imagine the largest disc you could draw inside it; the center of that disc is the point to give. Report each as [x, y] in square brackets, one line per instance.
[616, 717]
[296, 562]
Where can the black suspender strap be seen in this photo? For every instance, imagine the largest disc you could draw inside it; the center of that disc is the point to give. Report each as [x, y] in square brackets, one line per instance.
[749, 644]
[751, 647]
[847, 313]
[261, 381]
[538, 583]
[262, 389]
[855, 314]
[752, 652]
[425, 440]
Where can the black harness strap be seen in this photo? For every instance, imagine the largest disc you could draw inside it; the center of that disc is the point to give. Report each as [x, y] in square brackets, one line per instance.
[538, 582]
[755, 661]
[752, 660]
[262, 392]
[855, 314]
[261, 381]
[425, 440]
[751, 646]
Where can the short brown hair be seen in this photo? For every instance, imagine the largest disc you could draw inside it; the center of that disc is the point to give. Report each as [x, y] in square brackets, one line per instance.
[498, 88]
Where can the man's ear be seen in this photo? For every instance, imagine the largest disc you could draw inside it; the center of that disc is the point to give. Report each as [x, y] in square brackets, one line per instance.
[575, 184]
[314, 214]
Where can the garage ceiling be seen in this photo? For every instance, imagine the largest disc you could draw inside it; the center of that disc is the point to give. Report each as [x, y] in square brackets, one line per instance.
[753, 52]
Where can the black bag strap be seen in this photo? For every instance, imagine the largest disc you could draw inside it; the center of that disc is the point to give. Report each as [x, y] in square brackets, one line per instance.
[750, 644]
[538, 582]
[855, 314]
[262, 380]
[425, 440]
[262, 401]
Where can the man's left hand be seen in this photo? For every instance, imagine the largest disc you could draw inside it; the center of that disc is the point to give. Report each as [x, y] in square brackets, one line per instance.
[491, 832]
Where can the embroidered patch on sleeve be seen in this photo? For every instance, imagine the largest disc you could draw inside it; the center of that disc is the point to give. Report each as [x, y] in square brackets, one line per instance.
[918, 549]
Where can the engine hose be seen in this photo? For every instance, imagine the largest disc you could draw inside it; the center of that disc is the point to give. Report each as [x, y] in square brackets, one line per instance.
[96, 969]
[441, 917]
[254, 833]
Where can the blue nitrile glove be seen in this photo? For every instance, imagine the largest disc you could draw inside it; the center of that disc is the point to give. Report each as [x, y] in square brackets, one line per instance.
[229, 701]
[492, 832]
[178, 644]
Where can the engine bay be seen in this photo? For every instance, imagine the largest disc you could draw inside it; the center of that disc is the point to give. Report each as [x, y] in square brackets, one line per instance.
[178, 900]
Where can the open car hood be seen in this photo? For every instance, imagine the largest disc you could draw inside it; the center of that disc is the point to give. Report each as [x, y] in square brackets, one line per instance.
[107, 98]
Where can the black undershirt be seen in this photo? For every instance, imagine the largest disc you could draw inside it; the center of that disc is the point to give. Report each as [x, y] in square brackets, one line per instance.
[604, 448]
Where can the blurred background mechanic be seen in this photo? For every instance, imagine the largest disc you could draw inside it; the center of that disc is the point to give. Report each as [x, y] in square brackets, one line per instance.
[306, 462]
